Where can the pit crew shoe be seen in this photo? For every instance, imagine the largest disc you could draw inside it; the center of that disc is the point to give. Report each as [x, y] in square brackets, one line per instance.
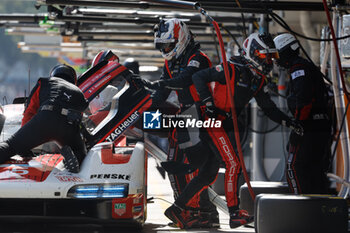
[196, 218]
[177, 215]
[210, 219]
[239, 218]
[70, 161]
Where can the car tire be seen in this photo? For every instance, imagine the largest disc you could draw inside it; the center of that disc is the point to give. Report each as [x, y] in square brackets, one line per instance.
[259, 187]
[276, 213]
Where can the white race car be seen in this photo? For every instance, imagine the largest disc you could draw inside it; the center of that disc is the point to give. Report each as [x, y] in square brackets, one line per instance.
[111, 186]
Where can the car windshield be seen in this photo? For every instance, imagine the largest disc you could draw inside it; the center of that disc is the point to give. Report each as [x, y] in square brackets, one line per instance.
[104, 104]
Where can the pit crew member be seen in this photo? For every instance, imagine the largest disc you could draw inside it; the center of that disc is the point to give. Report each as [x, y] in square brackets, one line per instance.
[53, 112]
[309, 154]
[248, 80]
[183, 58]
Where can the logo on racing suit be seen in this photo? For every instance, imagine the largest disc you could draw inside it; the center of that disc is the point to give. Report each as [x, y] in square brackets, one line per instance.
[120, 208]
[151, 120]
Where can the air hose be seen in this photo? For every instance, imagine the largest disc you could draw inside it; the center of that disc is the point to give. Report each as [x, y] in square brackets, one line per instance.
[230, 91]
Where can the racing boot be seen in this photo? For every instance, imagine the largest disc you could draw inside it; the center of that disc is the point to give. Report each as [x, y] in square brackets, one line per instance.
[209, 219]
[70, 161]
[177, 215]
[239, 218]
[197, 218]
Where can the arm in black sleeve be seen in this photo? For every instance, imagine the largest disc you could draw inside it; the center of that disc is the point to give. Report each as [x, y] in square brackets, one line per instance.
[214, 74]
[160, 95]
[270, 109]
[302, 90]
[184, 78]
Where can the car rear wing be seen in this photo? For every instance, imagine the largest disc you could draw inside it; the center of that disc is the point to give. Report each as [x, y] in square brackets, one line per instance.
[98, 77]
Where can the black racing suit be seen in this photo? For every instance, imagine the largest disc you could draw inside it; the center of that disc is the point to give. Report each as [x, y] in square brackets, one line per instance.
[246, 84]
[308, 154]
[53, 113]
[177, 75]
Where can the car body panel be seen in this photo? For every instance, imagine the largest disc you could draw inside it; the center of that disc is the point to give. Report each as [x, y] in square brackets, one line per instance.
[44, 185]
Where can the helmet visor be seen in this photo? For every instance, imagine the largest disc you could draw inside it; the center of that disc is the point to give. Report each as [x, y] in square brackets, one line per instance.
[165, 46]
[268, 55]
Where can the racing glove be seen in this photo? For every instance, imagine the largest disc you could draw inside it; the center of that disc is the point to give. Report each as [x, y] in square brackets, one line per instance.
[295, 127]
[210, 109]
[155, 85]
[137, 81]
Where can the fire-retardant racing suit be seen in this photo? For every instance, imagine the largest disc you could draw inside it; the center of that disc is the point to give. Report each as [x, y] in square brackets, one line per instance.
[309, 154]
[247, 83]
[177, 75]
[53, 113]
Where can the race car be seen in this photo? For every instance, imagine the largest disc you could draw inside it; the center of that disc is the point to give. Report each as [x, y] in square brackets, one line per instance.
[111, 187]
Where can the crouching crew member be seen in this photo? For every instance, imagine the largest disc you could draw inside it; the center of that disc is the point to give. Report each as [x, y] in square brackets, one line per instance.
[53, 112]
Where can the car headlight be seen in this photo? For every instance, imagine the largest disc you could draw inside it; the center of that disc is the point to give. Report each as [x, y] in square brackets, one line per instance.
[99, 191]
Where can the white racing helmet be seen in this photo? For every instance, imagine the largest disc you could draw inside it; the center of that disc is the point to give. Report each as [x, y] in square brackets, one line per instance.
[285, 41]
[171, 37]
[288, 48]
[259, 50]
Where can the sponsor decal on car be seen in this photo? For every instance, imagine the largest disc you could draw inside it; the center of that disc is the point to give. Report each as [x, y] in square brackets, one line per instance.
[69, 179]
[136, 209]
[110, 176]
[123, 126]
[120, 208]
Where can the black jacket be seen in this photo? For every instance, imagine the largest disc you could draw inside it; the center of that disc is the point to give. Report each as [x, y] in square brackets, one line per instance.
[54, 91]
[180, 77]
[308, 94]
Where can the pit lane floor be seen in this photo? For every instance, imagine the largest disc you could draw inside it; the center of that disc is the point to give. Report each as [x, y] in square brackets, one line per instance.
[160, 190]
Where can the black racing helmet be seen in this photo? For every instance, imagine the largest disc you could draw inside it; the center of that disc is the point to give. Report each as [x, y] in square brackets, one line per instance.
[65, 72]
[132, 65]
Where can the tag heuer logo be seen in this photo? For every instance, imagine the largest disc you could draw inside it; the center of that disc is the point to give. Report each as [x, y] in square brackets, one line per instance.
[120, 208]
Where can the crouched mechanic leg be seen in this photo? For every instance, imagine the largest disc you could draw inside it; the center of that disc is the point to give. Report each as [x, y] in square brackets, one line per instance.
[206, 176]
[205, 217]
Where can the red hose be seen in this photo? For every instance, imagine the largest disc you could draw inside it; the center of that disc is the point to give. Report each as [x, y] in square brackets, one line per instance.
[233, 109]
[336, 49]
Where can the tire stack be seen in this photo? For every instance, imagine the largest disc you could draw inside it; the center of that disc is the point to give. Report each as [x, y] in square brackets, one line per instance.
[259, 187]
[276, 213]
